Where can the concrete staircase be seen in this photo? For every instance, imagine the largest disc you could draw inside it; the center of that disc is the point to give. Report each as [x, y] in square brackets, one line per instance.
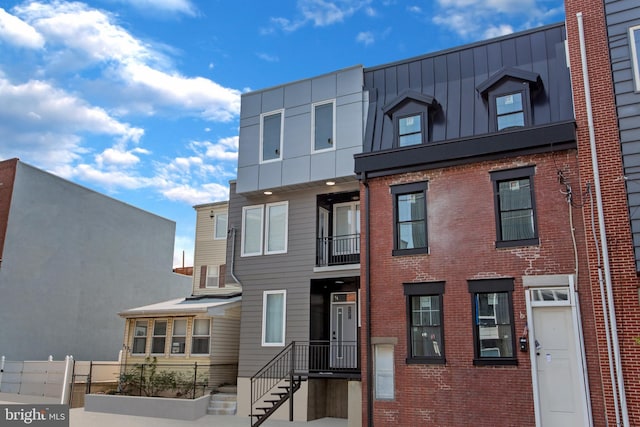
[224, 402]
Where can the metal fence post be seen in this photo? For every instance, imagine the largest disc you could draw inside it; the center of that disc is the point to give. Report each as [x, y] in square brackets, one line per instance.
[1, 370]
[195, 378]
[291, 370]
[141, 379]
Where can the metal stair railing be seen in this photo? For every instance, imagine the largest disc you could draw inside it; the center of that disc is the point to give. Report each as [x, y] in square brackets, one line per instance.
[287, 366]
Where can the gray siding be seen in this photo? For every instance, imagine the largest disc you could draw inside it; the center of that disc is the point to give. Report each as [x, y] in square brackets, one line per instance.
[621, 15]
[291, 271]
[299, 164]
[452, 76]
[73, 259]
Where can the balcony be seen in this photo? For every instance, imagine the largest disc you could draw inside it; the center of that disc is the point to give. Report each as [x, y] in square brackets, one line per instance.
[338, 250]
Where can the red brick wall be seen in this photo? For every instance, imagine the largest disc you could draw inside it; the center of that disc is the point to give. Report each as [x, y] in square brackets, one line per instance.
[461, 235]
[621, 257]
[7, 176]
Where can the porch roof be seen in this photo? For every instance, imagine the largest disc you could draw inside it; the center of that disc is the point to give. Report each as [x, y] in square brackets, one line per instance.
[213, 306]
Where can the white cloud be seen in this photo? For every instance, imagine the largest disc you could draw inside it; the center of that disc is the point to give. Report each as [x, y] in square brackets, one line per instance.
[15, 31]
[41, 122]
[321, 13]
[365, 37]
[497, 31]
[194, 196]
[83, 37]
[173, 6]
[226, 149]
[474, 19]
[267, 57]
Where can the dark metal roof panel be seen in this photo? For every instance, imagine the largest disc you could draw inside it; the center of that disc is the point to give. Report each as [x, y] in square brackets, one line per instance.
[451, 77]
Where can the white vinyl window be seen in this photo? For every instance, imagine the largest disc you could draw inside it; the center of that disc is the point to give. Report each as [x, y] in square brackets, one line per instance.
[220, 227]
[276, 228]
[212, 276]
[384, 381]
[140, 337]
[273, 318]
[265, 229]
[271, 125]
[159, 336]
[179, 336]
[252, 230]
[634, 43]
[201, 336]
[323, 126]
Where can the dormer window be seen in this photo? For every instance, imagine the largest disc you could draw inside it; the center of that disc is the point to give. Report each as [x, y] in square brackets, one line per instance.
[509, 111]
[509, 93]
[410, 113]
[410, 130]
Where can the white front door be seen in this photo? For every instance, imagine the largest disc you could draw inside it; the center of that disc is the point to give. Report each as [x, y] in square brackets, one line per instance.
[557, 360]
[344, 353]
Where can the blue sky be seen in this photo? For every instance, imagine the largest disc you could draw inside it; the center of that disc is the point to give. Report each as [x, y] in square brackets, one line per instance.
[139, 99]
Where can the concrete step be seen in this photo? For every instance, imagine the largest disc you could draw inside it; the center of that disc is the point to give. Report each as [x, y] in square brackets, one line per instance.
[223, 404]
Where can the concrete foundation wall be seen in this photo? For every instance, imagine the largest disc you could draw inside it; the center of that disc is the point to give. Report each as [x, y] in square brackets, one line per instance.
[159, 407]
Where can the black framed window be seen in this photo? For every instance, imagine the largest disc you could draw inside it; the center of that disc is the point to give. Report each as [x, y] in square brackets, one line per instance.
[493, 327]
[509, 105]
[410, 218]
[410, 130]
[509, 111]
[515, 207]
[425, 322]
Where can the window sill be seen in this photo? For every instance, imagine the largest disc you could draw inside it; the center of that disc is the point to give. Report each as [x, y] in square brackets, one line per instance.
[496, 362]
[514, 243]
[416, 251]
[425, 361]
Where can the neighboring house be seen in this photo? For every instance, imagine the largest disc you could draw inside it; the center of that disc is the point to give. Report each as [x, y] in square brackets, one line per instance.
[294, 218]
[475, 241]
[199, 330]
[610, 41]
[71, 259]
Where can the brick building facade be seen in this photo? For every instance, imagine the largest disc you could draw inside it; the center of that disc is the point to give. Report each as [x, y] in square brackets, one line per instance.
[475, 286]
[618, 361]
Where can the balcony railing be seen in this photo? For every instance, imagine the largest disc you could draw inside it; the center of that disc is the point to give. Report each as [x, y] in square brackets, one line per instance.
[338, 250]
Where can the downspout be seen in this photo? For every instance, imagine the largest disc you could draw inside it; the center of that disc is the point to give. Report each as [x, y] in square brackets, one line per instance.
[601, 225]
[367, 284]
[233, 256]
[603, 301]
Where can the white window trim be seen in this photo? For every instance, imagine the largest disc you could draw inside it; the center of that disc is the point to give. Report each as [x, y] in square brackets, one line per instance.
[262, 116]
[266, 228]
[264, 318]
[635, 58]
[146, 337]
[379, 391]
[215, 227]
[153, 334]
[193, 335]
[244, 228]
[313, 127]
[186, 336]
[215, 268]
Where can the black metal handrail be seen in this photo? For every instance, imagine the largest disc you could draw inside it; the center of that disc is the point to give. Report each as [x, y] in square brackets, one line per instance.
[297, 361]
[338, 250]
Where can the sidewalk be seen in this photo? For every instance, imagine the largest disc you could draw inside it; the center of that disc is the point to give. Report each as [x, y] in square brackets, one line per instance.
[81, 418]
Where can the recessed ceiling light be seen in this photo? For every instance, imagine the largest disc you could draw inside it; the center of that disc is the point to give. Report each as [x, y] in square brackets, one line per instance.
[268, 193]
[330, 183]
